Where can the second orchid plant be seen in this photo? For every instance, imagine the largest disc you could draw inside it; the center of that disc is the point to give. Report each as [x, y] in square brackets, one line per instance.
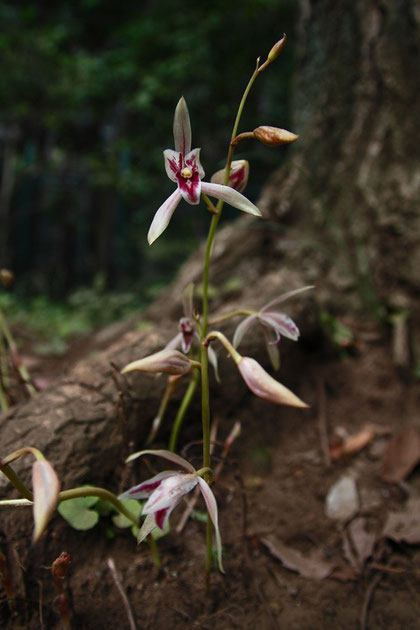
[190, 352]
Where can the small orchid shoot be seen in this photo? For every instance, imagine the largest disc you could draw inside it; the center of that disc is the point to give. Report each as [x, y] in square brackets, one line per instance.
[165, 490]
[183, 167]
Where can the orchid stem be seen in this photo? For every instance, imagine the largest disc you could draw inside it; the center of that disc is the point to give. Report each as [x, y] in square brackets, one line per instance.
[183, 410]
[205, 393]
[154, 551]
[17, 482]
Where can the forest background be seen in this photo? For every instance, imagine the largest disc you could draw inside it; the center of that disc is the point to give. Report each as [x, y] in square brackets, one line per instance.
[87, 94]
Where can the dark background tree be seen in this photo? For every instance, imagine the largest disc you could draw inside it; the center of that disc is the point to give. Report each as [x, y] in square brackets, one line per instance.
[87, 95]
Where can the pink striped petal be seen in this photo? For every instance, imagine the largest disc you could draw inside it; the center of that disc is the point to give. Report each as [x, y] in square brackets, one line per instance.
[283, 297]
[242, 329]
[46, 488]
[231, 196]
[148, 526]
[212, 510]
[172, 457]
[174, 163]
[163, 216]
[282, 325]
[182, 127]
[272, 349]
[170, 491]
[265, 386]
[143, 490]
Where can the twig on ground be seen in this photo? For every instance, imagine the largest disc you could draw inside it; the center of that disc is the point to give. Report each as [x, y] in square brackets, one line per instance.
[368, 598]
[322, 419]
[41, 598]
[117, 581]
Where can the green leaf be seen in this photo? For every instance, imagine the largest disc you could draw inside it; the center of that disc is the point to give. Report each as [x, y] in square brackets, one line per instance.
[77, 513]
[122, 521]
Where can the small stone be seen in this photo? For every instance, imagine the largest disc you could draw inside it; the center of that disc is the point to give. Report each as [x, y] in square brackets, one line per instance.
[342, 500]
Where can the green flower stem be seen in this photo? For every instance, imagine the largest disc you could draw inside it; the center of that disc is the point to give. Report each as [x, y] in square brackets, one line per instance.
[237, 313]
[13, 347]
[216, 334]
[205, 406]
[4, 405]
[205, 393]
[162, 410]
[183, 410]
[154, 550]
[17, 482]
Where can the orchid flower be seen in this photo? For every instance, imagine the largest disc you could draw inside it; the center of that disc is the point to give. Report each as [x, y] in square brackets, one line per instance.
[275, 325]
[165, 490]
[183, 167]
[188, 334]
[238, 175]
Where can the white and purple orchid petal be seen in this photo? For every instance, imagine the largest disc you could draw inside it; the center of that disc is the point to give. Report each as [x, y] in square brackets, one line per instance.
[282, 298]
[148, 526]
[238, 176]
[161, 517]
[282, 325]
[169, 492]
[212, 510]
[272, 348]
[144, 490]
[163, 216]
[189, 177]
[182, 127]
[265, 386]
[192, 161]
[174, 343]
[174, 163]
[242, 329]
[213, 362]
[172, 457]
[231, 196]
[187, 328]
[166, 361]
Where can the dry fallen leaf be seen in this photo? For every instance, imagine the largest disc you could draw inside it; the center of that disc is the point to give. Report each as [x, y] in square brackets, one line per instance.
[358, 544]
[404, 526]
[313, 566]
[351, 444]
[402, 454]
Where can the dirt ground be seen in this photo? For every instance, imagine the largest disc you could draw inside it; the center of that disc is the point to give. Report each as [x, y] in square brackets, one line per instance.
[288, 564]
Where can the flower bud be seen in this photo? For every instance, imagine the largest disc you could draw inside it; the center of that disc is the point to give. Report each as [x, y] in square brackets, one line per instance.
[6, 277]
[168, 361]
[277, 48]
[46, 488]
[274, 136]
[238, 176]
[265, 386]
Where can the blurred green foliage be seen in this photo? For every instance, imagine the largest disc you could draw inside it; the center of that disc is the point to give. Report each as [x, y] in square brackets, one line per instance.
[87, 94]
[54, 322]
